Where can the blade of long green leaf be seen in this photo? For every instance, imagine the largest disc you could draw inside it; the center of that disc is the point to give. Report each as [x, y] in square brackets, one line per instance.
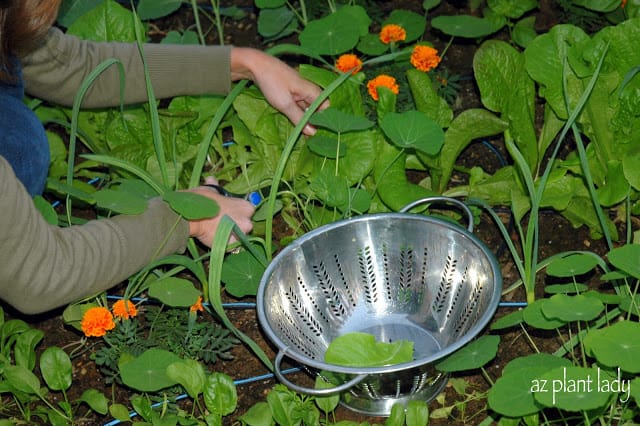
[218, 249]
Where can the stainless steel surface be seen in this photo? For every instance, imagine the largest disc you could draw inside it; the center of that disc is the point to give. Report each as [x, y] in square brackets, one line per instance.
[393, 275]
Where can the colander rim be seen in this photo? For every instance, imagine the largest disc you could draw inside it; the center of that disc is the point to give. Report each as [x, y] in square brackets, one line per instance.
[476, 329]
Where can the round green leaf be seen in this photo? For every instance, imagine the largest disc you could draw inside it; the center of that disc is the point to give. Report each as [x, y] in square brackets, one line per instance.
[511, 395]
[616, 346]
[274, 22]
[572, 265]
[627, 259]
[331, 35]
[573, 389]
[572, 308]
[413, 129]
[121, 202]
[542, 361]
[463, 26]
[339, 121]
[326, 146]
[534, 316]
[147, 373]
[474, 355]
[565, 288]
[412, 23]
[172, 291]
[509, 320]
[191, 206]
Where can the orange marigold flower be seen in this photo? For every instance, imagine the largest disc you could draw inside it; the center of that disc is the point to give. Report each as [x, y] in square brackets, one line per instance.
[197, 306]
[97, 321]
[384, 81]
[424, 58]
[392, 33]
[124, 309]
[349, 62]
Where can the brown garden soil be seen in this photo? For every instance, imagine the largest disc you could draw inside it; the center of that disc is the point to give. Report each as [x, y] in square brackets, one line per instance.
[557, 235]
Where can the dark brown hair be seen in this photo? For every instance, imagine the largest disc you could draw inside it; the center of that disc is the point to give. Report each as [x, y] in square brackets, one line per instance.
[22, 24]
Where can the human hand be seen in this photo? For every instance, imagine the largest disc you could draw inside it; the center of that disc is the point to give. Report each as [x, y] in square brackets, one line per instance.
[281, 85]
[239, 210]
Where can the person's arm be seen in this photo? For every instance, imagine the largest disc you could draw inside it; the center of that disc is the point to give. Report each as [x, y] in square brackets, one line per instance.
[57, 68]
[43, 267]
[55, 71]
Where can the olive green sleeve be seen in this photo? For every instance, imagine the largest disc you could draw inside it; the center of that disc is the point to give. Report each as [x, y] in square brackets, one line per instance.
[57, 68]
[43, 266]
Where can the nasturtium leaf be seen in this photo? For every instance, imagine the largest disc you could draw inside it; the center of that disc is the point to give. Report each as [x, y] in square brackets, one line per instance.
[565, 288]
[241, 274]
[359, 201]
[617, 345]
[362, 350]
[339, 121]
[463, 26]
[534, 316]
[511, 319]
[572, 389]
[121, 202]
[56, 369]
[332, 35]
[627, 259]
[541, 360]
[413, 24]
[154, 9]
[572, 308]
[147, 373]
[331, 189]
[606, 298]
[572, 265]
[173, 291]
[274, 22]
[511, 395]
[631, 304]
[326, 146]
[413, 129]
[190, 205]
[474, 355]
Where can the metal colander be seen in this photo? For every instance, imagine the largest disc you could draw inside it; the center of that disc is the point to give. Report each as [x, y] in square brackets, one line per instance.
[393, 275]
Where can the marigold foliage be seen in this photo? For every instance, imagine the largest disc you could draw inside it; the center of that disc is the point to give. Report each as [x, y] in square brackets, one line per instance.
[382, 80]
[124, 309]
[424, 58]
[349, 62]
[392, 33]
[97, 321]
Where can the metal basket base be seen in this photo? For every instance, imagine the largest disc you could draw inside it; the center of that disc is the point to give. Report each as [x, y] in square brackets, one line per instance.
[382, 406]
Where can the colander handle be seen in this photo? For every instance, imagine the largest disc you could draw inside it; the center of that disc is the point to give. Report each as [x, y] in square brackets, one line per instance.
[450, 200]
[310, 391]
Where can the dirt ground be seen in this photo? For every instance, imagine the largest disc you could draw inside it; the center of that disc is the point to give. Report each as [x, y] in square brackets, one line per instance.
[556, 235]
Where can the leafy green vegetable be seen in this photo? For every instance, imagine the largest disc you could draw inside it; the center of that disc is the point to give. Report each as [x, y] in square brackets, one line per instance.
[361, 350]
